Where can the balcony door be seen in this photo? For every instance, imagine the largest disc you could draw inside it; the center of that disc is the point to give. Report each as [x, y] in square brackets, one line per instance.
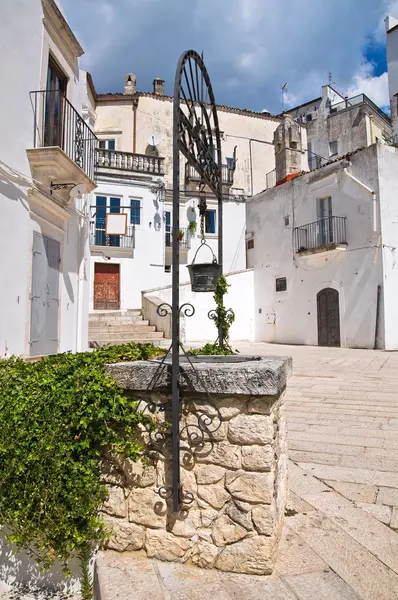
[324, 209]
[54, 105]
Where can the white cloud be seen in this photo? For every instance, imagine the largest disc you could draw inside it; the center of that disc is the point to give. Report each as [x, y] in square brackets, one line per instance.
[376, 88]
[250, 46]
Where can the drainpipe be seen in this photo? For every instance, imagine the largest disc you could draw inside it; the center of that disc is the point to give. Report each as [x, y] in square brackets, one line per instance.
[135, 106]
[367, 188]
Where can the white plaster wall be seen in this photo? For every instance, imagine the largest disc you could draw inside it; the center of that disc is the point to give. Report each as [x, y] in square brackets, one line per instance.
[23, 69]
[355, 273]
[142, 267]
[388, 184]
[392, 66]
[199, 328]
[252, 135]
[19, 73]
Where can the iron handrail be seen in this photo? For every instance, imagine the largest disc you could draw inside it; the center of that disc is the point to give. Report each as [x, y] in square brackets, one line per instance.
[320, 233]
[58, 123]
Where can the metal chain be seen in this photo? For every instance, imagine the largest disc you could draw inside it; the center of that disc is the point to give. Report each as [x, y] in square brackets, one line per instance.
[202, 212]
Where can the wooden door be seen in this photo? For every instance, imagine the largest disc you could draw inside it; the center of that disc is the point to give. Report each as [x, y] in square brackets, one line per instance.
[106, 286]
[328, 317]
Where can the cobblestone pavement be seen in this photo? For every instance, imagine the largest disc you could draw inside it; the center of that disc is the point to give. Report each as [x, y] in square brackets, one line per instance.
[339, 541]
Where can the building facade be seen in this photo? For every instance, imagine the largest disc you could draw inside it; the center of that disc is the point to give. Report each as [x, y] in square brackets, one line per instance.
[323, 249]
[391, 25]
[49, 150]
[134, 176]
[337, 125]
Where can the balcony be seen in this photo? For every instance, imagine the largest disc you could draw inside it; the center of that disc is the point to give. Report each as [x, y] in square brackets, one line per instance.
[102, 239]
[108, 160]
[63, 144]
[321, 236]
[359, 99]
[192, 176]
[184, 238]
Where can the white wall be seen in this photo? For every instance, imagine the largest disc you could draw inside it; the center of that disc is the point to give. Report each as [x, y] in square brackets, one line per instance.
[387, 157]
[392, 66]
[23, 69]
[199, 328]
[355, 272]
[142, 267]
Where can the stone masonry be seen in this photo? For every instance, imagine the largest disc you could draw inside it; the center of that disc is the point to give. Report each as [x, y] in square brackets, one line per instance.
[233, 473]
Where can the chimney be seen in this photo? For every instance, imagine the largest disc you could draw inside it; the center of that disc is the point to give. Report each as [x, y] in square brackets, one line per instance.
[288, 147]
[130, 84]
[158, 87]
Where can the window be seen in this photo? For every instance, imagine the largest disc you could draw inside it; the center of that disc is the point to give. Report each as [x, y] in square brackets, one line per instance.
[104, 204]
[250, 244]
[311, 157]
[135, 212]
[230, 163]
[107, 144]
[287, 221]
[281, 284]
[210, 221]
[333, 148]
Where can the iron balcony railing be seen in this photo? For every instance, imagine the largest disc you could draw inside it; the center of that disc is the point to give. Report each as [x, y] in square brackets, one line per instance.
[192, 175]
[184, 237]
[57, 123]
[129, 161]
[320, 234]
[359, 99]
[98, 235]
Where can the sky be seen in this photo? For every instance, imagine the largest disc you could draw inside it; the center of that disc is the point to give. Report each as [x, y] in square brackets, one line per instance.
[251, 47]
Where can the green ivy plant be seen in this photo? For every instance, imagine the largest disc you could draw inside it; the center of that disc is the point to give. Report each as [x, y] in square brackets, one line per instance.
[58, 417]
[224, 317]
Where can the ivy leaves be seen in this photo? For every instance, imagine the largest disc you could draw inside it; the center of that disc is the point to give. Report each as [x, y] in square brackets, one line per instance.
[58, 417]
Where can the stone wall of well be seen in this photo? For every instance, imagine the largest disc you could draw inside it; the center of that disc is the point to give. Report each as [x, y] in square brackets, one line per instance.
[233, 473]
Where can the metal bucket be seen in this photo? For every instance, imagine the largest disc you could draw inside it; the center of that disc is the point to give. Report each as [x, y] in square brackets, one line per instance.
[204, 276]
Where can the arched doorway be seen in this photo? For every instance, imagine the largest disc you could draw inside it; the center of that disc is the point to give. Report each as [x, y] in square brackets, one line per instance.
[328, 317]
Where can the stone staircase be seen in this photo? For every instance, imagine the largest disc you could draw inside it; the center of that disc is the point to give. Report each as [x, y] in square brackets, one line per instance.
[115, 327]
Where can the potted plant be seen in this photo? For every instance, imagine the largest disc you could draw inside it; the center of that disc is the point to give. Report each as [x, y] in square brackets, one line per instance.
[180, 235]
[192, 227]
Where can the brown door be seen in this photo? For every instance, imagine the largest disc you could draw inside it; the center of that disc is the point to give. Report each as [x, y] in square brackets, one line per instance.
[54, 105]
[328, 317]
[106, 287]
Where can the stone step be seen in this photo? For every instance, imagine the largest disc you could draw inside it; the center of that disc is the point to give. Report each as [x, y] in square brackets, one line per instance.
[147, 334]
[142, 340]
[118, 327]
[104, 314]
[123, 335]
[122, 319]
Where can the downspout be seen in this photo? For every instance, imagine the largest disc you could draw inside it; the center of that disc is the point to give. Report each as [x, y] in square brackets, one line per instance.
[371, 192]
[377, 316]
[251, 167]
[135, 106]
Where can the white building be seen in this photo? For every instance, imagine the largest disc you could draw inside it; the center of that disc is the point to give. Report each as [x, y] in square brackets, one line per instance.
[391, 24]
[323, 248]
[134, 177]
[43, 232]
[336, 125]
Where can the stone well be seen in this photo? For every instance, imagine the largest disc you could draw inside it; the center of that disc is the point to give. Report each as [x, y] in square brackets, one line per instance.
[233, 465]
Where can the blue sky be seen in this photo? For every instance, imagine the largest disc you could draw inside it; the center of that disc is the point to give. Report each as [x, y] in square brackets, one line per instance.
[251, 47]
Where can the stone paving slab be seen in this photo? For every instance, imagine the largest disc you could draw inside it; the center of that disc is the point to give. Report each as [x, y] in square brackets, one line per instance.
[321, 586]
